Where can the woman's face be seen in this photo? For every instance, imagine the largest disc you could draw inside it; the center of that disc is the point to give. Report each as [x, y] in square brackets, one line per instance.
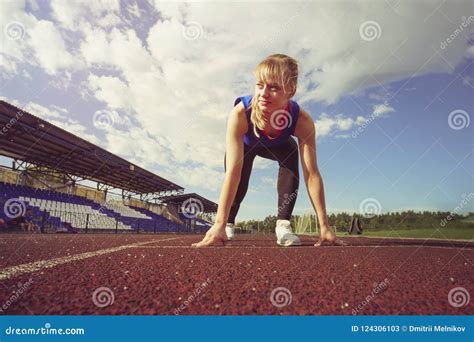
[271, 96]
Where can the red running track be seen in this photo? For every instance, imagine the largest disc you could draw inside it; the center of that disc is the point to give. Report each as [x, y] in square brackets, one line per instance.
[158, 274]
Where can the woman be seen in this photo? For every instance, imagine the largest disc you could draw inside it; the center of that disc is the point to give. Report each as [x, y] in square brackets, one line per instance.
[262, 125]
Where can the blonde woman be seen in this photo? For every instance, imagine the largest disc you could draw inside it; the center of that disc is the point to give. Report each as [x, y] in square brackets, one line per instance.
[263, 125]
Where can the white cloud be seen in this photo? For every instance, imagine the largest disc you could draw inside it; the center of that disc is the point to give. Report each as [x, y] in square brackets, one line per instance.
[16, 24]
[327, 125]
[68, 13]
[324, 125]
[76, 128]
[57, 116]
[26, 74]
[109, 20]
[344, 123]
[50, 49]
[110, 90]
[110, 120]
[360, 120]
[168, 99]
[8, 66]
[43, 112]
[71, 14]
[134, 144]
[470, 52]
[121, 49]
[134, 10]
[169, 9]
[347, 64]
[200, 177]
[269, 180]
[262, 163]
[27, 40]
[33, 4]
[381, 109]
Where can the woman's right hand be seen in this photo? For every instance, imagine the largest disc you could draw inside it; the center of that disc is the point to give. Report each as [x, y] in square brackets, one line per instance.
[215, 236]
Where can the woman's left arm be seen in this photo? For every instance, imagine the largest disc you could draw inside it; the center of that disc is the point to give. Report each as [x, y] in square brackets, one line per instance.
[306, 134]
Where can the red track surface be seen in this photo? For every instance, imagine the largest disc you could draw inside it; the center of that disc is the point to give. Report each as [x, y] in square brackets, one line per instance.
[161, 274]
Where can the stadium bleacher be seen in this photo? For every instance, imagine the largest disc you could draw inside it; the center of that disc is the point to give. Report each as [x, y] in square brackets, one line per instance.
[123, 210]
[161, 220]
[56, 211]
[61, 160]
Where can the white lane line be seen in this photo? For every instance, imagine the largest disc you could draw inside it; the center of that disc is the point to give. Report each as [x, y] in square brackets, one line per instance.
[15, 271]
[304, 247]
[408, 238]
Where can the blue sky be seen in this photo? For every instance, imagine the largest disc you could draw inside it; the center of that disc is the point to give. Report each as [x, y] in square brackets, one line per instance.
[388, 84]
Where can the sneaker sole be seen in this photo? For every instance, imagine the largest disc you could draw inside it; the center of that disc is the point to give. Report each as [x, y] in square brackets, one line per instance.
[289, 243]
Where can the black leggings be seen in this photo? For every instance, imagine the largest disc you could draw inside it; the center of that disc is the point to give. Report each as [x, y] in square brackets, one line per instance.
[288, 176]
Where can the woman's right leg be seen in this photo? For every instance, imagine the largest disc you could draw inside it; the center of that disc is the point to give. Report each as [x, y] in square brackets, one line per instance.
[249, 156]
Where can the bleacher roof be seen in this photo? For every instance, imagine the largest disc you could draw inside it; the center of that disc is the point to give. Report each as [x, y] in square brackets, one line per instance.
[208, 206]
[28, 138]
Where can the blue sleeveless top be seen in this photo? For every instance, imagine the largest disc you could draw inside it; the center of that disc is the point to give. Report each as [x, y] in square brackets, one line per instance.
[250, 139]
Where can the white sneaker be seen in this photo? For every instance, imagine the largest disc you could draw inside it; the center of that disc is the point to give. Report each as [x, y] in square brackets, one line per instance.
[230, 230]
[285, 236]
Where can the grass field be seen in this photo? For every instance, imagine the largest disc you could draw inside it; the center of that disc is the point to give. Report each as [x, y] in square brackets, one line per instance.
[455, 233]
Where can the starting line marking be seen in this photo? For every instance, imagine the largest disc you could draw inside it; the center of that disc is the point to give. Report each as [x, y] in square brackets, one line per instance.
[14, 271]
[300, 247]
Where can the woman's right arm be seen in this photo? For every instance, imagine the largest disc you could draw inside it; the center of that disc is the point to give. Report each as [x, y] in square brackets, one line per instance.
[236, 129]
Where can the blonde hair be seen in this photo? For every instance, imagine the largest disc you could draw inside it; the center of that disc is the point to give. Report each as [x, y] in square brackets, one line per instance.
[275, 68]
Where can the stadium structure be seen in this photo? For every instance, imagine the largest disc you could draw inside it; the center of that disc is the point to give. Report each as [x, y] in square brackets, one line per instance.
[48, 176]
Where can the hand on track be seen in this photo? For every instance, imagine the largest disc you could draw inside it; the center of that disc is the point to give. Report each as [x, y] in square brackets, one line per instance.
[328, 238]
[215, 236]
